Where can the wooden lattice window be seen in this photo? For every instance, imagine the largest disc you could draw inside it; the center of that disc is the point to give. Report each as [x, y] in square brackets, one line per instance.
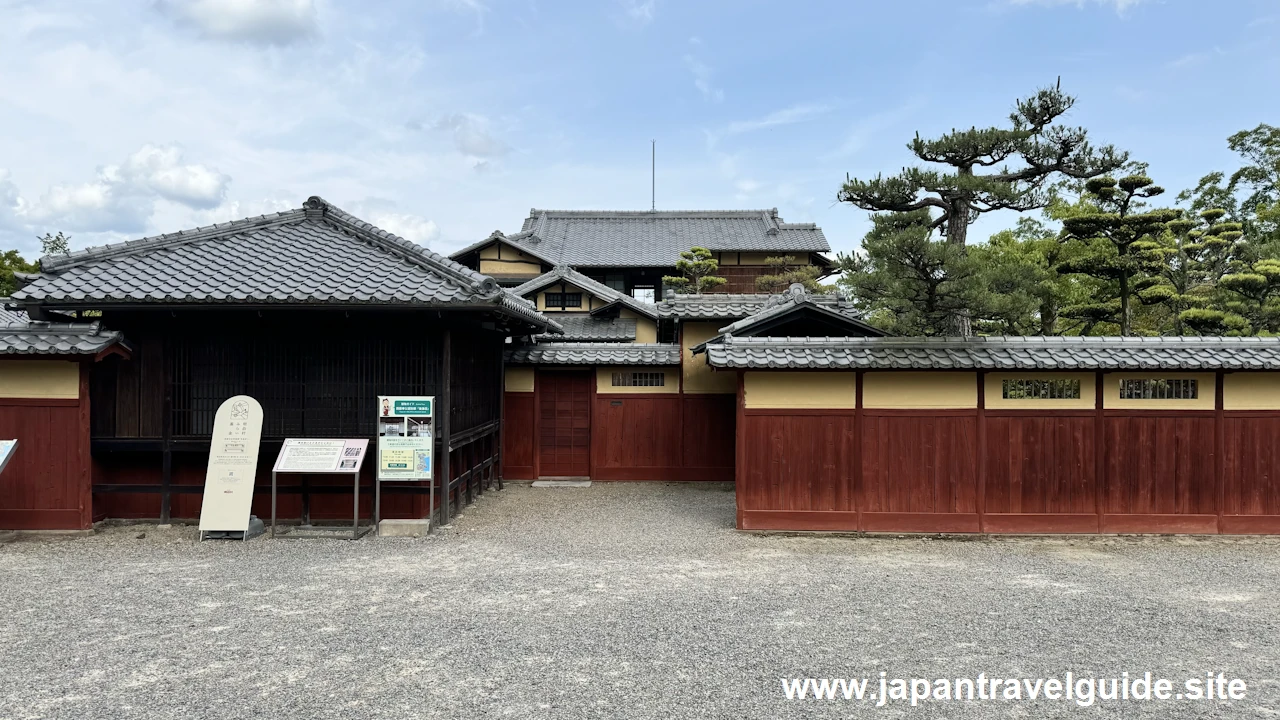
[1159, 389]
[1041, 389]
[564, 300]
[639, 379]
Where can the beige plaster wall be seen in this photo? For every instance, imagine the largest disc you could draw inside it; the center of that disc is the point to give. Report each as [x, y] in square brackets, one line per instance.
[800, 390]
[39, 379]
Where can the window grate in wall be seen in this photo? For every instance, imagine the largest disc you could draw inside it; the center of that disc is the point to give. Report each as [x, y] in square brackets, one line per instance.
[639, 379]
[564, 300]
[1041, 389]
[1159, 389]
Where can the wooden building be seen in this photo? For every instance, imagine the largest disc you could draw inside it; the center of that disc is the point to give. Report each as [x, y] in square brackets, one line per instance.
[630, 251]
[1006, 435]
[314, 313]
[605, 401]
[44, 405]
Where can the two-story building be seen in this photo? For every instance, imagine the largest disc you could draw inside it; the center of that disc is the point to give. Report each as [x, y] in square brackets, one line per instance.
[630, 251]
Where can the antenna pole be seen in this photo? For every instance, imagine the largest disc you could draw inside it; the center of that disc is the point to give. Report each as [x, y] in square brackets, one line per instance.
[653, 174]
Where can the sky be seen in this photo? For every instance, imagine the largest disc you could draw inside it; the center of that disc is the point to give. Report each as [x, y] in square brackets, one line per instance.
[444, 120]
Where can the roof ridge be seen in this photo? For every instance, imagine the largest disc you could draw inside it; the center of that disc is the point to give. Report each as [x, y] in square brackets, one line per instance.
[128, 247]
[568, 273]
[406, 249]
[748, 213]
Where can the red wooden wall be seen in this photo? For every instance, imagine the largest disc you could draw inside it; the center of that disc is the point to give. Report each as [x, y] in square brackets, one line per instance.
[634, 436]
[46, 484]
[1032, 471]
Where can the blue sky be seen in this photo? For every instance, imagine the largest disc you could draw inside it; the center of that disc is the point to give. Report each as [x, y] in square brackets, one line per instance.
[443, 120]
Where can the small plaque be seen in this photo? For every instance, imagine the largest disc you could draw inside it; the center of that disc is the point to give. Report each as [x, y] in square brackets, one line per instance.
[307, 455]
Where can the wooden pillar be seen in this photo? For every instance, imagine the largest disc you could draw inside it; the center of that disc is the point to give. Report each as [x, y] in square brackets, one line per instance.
[500, 436]
[740, 445]
[444, 469]
[166, 453]
[1219, 446]
[1099, 448]
[84, 468]
[982, 452]
[856, 442]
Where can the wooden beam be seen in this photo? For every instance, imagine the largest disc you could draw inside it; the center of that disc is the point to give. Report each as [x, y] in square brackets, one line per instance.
[445, 470]
[1219, 446]
[1099, 448]
[982, 451]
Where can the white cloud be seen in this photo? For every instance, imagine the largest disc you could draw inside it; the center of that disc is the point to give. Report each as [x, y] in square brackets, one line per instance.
[410, 227]
[264, 22]
[639, 13]
[786, 116]
[122, 198]
[702, 79]
[1119, 5]
[161, 170]
[472, 137]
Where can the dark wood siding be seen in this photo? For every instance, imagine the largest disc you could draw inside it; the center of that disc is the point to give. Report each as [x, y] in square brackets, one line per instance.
[1039, 471]
[635, 437]
[1040, 464]
[707, 436]
[518, 438]
[564, 423]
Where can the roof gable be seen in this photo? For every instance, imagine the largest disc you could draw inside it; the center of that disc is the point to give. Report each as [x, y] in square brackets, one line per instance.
[315, 255]
[566, 274]
[832, 314]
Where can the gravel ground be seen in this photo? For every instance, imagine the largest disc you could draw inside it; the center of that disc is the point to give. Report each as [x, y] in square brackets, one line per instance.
[617, 601]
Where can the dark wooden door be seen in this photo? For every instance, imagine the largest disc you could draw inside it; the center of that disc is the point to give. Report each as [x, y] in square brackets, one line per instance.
[564, 424]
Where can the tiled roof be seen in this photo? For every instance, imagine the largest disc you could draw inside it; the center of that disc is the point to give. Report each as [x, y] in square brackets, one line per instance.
[604, 292]
[585, 328]
[595, 354]
[315, 255]
[613, 238]
[11, 316]
[712, 306]
[42, 338]
[998, 353]
[794, 300]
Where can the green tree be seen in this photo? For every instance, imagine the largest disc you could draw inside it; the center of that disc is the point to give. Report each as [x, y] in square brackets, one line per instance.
[1195, 253]
[1024, 292]
[907, 283]
[1247, 193]
[697, 268]
[785, 274]
[1041, 149]
[1254, 293]
[52, 244]
[12, 262]
[1116, 245]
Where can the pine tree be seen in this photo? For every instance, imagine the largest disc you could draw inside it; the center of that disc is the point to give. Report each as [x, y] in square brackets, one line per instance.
[697, 268]
[1195, 254]
[785, 274]
[1119, 247]
[960, 194]
[907, 283]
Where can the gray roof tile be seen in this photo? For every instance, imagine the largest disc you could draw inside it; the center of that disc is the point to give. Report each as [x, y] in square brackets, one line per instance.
[42, 338]
[616, 238]
[998, 353]
[595, 354]
[317, 254]
[585, 328]
[604, 292]
[795, 300]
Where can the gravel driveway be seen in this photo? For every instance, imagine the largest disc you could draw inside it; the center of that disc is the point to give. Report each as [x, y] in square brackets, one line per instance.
[616, 601]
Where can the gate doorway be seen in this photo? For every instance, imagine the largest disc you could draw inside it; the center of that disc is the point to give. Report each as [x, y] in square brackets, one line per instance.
[564, 423]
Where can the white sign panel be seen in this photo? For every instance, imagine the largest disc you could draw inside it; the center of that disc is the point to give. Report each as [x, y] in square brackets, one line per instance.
[404, 437]
[233, 464]
[305, 455]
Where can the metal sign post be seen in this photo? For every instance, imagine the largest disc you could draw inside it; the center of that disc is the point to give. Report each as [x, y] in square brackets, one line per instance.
[405, 431]
[308, 456]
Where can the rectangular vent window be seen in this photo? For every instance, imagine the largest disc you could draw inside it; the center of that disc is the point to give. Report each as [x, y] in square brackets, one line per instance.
[1159, 389]
[1050, 389]
[639, 379]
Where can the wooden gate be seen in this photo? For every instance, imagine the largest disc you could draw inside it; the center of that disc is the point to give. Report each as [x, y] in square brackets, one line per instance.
[564, 423]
